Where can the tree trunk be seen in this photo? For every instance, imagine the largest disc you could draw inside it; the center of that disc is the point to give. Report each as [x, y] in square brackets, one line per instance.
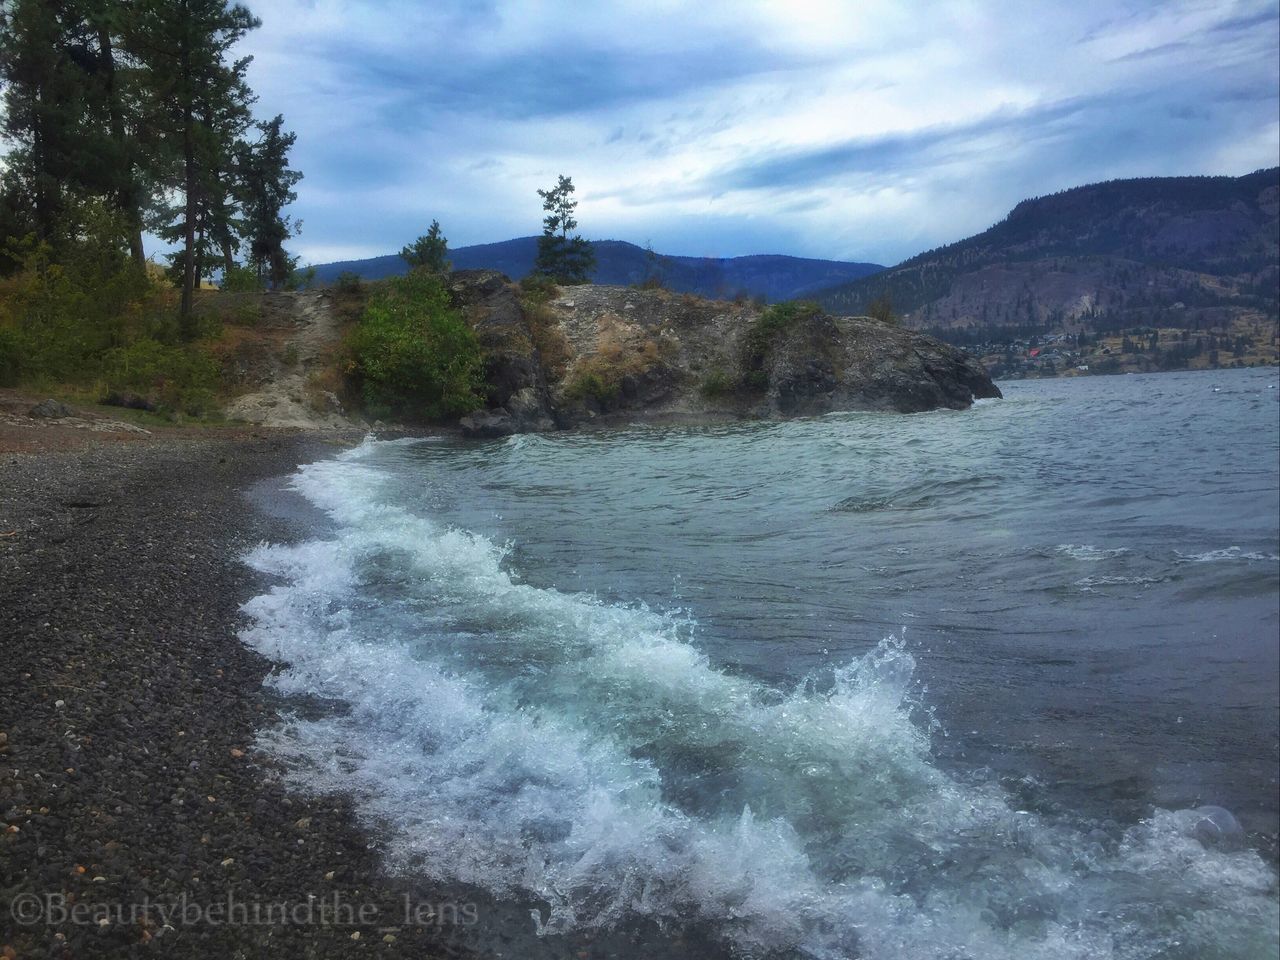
[199, 256]
[189, 228]
[127, 197]
[189, 183]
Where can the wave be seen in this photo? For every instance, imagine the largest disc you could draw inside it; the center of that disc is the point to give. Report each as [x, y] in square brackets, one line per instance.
[589, 756]
[919, 495]
[1091, 583]
[1088, 553]
[1227, 554]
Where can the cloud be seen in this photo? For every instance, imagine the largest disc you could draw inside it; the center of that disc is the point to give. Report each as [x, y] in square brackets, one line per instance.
[827, 129]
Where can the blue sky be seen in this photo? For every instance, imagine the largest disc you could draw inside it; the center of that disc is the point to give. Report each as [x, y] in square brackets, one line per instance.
[843, 130]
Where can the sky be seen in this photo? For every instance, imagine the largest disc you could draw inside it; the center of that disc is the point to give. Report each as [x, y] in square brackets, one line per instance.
[851, 130]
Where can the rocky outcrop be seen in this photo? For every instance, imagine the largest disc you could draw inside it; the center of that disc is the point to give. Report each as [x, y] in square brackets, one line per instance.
[602, 354]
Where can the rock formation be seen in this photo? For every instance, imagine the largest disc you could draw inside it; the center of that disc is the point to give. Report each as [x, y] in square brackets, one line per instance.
[616, 354]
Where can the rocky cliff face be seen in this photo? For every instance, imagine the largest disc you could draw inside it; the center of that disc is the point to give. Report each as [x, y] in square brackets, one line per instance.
[1190, 252]
[601, 354]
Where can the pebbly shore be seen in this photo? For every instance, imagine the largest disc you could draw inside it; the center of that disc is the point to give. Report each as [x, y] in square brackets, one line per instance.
[136, 816]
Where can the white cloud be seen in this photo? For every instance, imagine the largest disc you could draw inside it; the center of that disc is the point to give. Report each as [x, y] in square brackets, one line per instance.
[887, 127]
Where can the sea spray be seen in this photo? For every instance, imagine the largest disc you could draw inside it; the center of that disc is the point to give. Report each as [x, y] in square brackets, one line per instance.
[591, 756]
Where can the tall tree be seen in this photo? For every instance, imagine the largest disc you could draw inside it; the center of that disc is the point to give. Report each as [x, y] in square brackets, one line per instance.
[108, 20]
[68, 106]
[429, 251]
[200, 103]
[268, 184]
[563, 256]
[46, 106]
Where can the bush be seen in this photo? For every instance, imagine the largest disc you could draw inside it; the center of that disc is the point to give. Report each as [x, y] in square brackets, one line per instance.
[413, 354]
[10, 362]
[881, 310]
[94, 318]
[538, 288]
[592, 385]
[181, 378]
[717, 384]
[760, 336]
[241, 280]
[349, 282]
[301, 278]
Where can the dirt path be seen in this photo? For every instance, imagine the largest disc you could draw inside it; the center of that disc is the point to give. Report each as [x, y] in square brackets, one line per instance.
[288, 399]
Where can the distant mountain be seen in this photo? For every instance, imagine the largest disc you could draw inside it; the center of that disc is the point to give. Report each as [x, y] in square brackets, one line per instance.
[1191, 252]
[773, 277]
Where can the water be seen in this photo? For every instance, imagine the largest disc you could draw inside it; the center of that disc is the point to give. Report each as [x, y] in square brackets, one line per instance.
[957, 684]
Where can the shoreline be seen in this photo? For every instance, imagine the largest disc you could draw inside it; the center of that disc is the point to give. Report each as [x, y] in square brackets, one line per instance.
[130, 788]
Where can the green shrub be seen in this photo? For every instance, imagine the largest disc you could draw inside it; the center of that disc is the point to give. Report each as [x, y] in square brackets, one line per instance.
[717, 384]
[180, 378]
[241, 280]
[760, 336]
[592, 385]
[10, 358]
[301, 278]
[349, 282]
[414, 354]
[538, 288]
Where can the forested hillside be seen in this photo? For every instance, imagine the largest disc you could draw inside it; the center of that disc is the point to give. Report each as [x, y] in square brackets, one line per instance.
[770, 276]
[1188, 252]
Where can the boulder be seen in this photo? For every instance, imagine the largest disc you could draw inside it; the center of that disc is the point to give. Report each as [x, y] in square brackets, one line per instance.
[51, 410]
[487, 424]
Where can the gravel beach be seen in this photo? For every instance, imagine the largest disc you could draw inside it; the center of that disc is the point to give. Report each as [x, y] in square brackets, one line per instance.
[136, 817]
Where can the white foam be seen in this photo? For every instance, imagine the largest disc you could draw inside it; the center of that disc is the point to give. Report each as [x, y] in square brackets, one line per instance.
[1092, 583]
[1228, 555]
[1088, 553]
[533, 742]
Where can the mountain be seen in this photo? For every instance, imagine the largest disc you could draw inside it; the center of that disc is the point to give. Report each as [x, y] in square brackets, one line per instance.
[773, 277]
[1189, 252]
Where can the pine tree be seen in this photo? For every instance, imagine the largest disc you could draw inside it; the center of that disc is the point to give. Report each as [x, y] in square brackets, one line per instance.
[561, 257]
[428, 252]
[268, 188]
[199, 102]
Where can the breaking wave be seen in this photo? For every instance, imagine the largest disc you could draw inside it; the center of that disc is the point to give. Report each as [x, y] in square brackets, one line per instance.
[589, 757]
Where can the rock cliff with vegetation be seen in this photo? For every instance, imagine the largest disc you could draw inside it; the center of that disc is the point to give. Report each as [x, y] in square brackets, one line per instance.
[1177, 252]
[563, 357]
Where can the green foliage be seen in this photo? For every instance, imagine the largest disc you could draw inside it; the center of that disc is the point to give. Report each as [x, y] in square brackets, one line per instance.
[241, 280]
[300, 278]
[143, 106]
[268, 182]
[95, 318]
[562, 255]
[760, 336]
[717, 384]
[413, 353]
[538, 288]
[10, 357]
[180, 377]
[592, 385]
[881, 310]
[349, 282]
[428, 252]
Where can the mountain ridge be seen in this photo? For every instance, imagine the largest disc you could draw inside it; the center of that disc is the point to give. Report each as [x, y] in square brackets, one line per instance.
[772, 276]
[1154, 251]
